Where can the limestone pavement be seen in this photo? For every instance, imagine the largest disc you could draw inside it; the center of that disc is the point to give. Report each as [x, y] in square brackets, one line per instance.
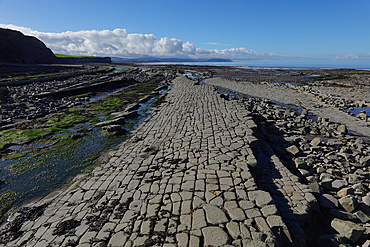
[183, 179]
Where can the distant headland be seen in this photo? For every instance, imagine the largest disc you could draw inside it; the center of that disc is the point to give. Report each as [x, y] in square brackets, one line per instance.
[150, 59]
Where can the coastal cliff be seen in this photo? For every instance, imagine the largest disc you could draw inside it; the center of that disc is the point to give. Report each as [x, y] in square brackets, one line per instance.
[15, 47]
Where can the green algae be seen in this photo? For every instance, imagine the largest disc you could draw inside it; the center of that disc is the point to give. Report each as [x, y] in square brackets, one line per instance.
[108, 106]
[16, 155]
[69, 120]
[82, 95]
[90, 168]
[120, 100]
[6, 201]
[20, 136]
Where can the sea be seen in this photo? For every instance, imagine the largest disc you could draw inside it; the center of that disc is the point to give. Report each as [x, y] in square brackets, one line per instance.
[298, 64]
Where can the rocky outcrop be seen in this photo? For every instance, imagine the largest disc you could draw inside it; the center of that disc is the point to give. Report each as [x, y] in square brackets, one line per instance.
[30, 99]
[15, 47]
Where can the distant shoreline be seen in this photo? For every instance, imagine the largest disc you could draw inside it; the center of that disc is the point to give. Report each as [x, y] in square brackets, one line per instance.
[273, 64]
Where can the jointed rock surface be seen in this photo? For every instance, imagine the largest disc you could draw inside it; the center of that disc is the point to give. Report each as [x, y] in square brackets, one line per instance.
[187, 177]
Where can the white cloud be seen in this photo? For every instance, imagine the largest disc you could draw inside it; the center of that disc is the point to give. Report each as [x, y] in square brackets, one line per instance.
[215, 43]
[352, 56]
[122, 44]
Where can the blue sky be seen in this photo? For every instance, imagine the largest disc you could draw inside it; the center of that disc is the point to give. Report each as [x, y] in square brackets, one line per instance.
[314, 29]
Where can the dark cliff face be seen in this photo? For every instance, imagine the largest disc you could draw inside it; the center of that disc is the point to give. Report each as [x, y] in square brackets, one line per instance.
[15, 47]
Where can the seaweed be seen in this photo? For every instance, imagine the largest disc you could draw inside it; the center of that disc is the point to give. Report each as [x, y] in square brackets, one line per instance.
[6, 201]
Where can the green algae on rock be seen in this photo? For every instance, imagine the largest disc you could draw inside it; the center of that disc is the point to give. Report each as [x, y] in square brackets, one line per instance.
[6, 201]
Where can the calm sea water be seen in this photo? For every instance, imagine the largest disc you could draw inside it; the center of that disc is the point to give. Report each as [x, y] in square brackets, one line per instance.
[337, 64]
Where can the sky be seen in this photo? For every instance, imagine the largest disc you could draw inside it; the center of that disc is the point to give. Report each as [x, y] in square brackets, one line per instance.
[259, 29]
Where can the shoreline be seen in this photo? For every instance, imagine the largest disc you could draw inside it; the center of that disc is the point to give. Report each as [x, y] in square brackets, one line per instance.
[274, 65]
[150, 141]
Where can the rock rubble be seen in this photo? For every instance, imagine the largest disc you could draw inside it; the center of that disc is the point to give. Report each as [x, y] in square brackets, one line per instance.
[333, 162]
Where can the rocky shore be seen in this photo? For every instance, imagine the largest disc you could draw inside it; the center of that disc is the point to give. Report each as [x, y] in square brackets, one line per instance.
[229, 158]
[35, 98]
[333, 161]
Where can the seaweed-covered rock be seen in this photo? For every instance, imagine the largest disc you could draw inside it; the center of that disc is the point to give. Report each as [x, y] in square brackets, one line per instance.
[12, 230]
[67, 226]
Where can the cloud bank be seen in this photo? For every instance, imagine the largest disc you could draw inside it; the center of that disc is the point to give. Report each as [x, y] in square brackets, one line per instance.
[352, 56]
[119, 43]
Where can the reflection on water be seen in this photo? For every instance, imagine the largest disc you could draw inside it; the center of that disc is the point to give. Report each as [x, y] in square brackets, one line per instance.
[288, 82]
[358, 110]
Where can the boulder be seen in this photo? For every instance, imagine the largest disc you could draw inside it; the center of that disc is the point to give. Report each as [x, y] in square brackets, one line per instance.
[132, 107]
[115, 121]
[342, 128]
[145, 98]
[354, 178]
[345, 191]
[362, 115]
[360, 189]
[76, 136]
[125, 114]
[315, 142]
[304, 172]
[116, 129]
[315, 188]
[293, 149]
[365, 161]
[300, 163]
[349, 203]
[328, 201]
[326, 177]
[366, 200]
[348, 229]
[367, 243]
[339, 183]
[340, 214]
[362, 216]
